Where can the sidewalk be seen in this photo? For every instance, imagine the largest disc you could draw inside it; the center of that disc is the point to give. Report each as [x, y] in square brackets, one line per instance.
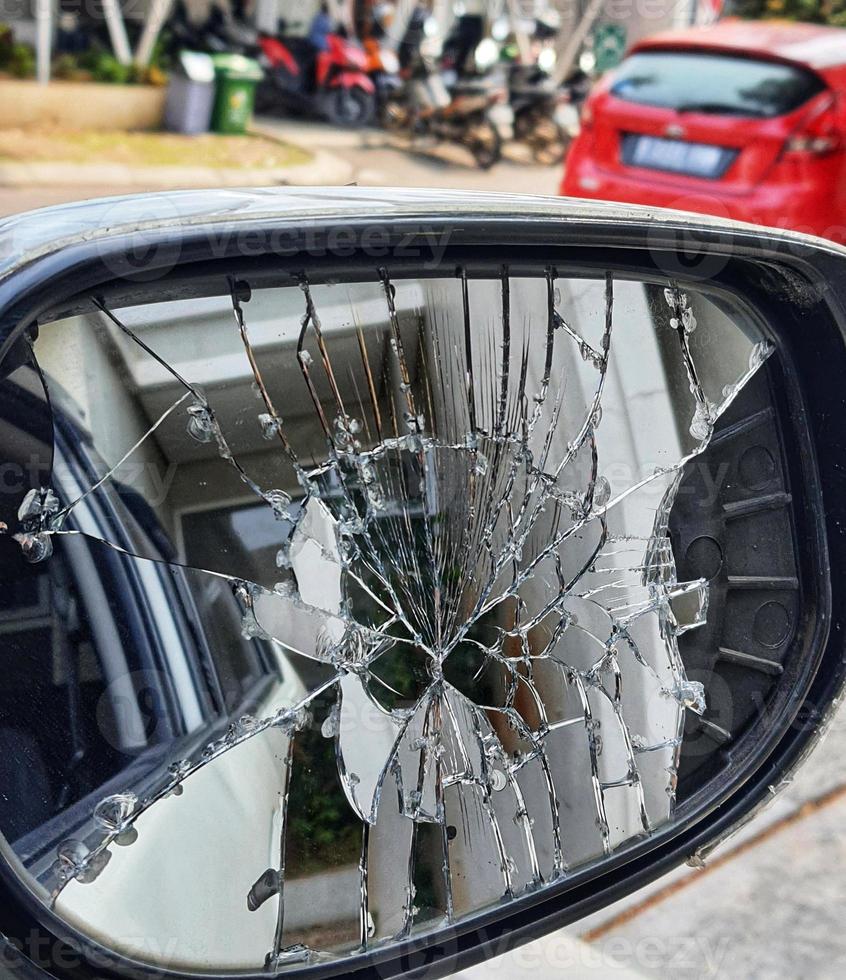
[770, 902]
[555, 956]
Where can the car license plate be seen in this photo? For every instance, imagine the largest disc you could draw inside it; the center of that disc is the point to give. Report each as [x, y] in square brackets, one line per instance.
[676, 156]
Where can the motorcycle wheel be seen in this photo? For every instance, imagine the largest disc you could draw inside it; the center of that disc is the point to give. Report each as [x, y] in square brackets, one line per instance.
[393, 115]
[485, 144]
[549, 142]
[523, 124]
[349, 106]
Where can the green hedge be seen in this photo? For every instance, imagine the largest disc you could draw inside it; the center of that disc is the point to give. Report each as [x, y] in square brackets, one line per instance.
[814, 11]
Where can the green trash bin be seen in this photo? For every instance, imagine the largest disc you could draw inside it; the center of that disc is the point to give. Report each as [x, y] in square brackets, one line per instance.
[236, 78]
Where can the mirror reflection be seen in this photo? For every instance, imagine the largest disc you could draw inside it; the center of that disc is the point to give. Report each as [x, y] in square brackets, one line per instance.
[333, 613]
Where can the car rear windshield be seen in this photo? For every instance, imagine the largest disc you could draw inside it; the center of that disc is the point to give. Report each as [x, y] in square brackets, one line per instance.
[689, 81]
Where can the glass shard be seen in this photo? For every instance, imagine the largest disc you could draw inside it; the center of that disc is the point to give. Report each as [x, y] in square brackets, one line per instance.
[368, 599]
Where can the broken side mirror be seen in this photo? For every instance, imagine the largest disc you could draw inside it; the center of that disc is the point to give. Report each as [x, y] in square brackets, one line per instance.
[389, 578]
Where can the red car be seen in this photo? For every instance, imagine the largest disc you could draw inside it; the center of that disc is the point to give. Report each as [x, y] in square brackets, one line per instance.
[740, 119]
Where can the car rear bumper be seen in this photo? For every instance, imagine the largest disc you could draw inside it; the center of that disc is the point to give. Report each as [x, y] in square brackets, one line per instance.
[800, 207]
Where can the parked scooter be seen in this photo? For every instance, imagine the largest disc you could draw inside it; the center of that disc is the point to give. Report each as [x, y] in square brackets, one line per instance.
[214, 35]
[477, 71]
[425, 107]
[545, 115]
[543, 118]
[301, 79]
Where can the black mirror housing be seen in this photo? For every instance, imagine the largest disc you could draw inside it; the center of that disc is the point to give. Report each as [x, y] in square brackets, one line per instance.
[436, 323]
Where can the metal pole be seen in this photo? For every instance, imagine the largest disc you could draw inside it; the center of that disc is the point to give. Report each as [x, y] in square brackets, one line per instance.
[571, 50]
[524, 44]
[117, 31]
[43, 39]
[341, 11]
[157, 15]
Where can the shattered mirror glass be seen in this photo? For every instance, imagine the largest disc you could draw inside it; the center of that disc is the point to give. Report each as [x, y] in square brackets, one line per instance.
[334, 613]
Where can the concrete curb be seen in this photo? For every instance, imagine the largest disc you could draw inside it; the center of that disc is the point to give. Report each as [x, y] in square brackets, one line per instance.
[324, 168]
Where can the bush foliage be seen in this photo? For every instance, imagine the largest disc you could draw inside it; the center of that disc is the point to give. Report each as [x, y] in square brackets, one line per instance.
[814, 11]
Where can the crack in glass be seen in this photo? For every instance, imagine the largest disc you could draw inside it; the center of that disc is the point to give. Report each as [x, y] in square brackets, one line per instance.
[482, 607]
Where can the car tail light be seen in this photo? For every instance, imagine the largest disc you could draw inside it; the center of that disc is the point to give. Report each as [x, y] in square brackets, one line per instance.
[817, 135]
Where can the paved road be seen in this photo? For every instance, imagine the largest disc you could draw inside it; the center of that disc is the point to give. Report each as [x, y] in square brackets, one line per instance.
[379, 160]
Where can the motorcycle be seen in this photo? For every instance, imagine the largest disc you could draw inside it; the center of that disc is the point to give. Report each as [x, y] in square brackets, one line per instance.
[383, 69]
[424, 108]
[543, 115]
[333, 83]
[216, 34]
[480, 75]
[546, 116]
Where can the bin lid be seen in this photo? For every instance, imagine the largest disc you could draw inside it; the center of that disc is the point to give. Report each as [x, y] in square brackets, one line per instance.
[236, 66]
[196, 66]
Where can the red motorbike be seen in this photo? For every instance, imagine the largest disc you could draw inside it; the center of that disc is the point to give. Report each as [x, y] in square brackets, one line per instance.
[300, 79]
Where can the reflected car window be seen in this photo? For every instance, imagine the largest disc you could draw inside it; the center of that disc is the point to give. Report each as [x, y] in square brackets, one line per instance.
[722, 84]
[104, 668]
